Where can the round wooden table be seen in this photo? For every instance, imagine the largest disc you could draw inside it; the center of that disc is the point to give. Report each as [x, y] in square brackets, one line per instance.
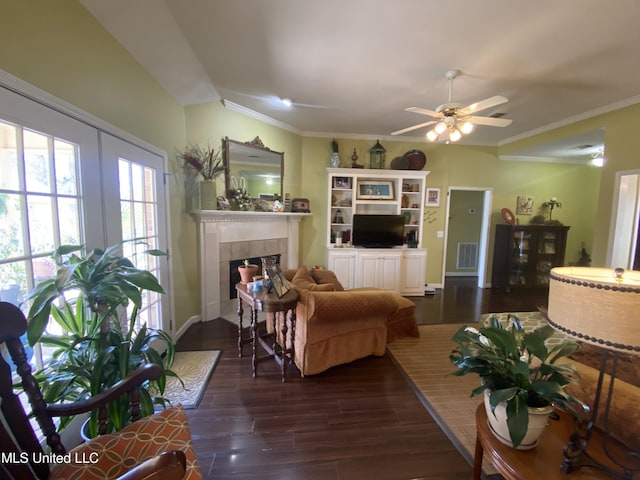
[541, 462]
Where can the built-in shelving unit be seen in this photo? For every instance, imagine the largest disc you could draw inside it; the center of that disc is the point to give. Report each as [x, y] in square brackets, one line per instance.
[370, 191]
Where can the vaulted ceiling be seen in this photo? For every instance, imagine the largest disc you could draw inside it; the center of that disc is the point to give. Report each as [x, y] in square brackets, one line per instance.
[351, 67]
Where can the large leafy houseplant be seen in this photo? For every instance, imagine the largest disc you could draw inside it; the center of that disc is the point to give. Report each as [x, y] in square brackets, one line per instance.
[518, 368]
[94, 301]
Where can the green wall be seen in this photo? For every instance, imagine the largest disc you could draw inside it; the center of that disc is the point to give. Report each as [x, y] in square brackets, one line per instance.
[60, 48]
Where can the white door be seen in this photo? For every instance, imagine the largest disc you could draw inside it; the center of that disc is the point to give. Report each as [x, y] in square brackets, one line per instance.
[135, 211]
[625, 220]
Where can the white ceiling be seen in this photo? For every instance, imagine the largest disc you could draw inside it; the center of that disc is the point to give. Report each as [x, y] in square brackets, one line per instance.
[351, 67]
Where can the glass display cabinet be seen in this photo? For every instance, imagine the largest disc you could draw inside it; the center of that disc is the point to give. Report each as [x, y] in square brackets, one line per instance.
[523, 255]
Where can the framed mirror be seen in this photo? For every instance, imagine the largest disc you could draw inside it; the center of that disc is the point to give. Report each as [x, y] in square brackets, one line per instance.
[258, 166]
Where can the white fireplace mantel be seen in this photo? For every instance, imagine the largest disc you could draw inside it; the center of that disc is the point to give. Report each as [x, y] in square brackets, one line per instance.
[220, 227]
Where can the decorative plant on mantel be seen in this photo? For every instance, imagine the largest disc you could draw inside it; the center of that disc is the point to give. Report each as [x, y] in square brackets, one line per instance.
[205, 161]
[518, 368]
[208, 163]
[95, 344]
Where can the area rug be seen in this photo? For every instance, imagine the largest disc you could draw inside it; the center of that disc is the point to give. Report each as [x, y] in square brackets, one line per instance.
[425, 363]
[195, 370]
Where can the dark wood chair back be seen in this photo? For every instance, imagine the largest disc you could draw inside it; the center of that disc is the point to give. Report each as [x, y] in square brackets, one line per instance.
[17, 435]
[20, 446]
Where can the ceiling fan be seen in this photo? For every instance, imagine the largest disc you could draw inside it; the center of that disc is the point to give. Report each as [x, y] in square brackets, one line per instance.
[453, 119]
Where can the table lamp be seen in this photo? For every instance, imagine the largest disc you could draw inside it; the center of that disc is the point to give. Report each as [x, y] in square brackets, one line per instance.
[598, 306]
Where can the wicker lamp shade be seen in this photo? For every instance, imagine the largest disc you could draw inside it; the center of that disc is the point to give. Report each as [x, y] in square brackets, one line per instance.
[595, 307]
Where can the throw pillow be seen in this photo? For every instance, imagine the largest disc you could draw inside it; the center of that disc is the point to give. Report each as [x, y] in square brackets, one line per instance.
[303, 279]
[326, 277]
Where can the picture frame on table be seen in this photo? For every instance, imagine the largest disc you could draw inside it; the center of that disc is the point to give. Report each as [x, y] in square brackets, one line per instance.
[375, 190]
[432, 197]
[279, 283]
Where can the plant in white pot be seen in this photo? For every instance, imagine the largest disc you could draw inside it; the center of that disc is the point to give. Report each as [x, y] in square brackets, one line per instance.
[519, 373]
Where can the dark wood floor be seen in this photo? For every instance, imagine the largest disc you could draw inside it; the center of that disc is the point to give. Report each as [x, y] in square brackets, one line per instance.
[354, 421]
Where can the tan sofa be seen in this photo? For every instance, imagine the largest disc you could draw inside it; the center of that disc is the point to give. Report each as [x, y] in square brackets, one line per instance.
[336, 326]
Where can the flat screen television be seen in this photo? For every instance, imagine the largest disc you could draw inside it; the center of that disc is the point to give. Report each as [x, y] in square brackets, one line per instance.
[377, 231]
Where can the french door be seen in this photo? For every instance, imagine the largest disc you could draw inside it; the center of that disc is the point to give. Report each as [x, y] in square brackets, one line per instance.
[64, 181]
[135, 210]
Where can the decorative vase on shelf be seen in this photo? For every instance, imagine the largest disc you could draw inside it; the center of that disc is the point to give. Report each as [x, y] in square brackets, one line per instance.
[538, 420]
[335, 160]
[208, 198]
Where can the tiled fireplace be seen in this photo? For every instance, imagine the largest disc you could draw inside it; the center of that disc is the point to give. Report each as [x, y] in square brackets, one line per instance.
[230, 235]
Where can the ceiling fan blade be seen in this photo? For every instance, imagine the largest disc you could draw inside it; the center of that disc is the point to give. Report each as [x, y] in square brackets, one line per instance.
[415, 127]
[490, 121]
[483, 104]
[423, 111]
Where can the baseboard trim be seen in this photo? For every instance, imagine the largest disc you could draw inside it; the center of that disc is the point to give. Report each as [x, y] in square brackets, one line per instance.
[185, 326]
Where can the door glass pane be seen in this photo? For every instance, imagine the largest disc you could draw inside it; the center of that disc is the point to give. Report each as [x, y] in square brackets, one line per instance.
[11, 226]
[36, 162]
[8, 157]
[69, 218]
[41, 223]
[65, 162]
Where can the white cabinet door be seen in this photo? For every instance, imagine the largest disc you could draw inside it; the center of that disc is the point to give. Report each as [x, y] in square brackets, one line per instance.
[414, 272]
[342, 263]
[379, 269]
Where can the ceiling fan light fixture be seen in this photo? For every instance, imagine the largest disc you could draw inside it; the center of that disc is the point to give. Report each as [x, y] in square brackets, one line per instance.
[455, 135]
[440, 127]
[466, 127]
[432, 135]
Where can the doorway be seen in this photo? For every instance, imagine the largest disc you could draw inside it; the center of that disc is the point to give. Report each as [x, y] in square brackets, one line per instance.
[466, 240]
[625, 227]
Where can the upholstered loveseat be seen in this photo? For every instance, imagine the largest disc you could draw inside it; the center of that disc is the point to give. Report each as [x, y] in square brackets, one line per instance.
[336, 326]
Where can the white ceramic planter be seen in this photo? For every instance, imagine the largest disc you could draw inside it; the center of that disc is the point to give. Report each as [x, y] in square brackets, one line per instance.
[538, 420]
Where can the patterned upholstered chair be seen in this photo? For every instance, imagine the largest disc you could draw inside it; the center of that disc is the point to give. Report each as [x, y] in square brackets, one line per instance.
[153, 447]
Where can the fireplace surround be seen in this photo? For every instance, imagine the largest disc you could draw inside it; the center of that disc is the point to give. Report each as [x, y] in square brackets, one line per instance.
[226, 235]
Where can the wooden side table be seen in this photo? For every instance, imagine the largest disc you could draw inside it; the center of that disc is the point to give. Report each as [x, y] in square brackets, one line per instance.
[542, 462]
[262, 301]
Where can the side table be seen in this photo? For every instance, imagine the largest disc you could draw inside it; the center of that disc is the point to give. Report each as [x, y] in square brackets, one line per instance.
[263, 301]
[541, 462]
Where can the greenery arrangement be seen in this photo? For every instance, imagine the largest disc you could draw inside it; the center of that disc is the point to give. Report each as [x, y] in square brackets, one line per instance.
[241, 199]
[517, 368]
[205, 161]
[94, 302]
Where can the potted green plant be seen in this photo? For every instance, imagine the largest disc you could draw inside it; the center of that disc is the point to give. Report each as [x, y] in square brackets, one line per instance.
[94, 301]
[247, 271]
[519, 373]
